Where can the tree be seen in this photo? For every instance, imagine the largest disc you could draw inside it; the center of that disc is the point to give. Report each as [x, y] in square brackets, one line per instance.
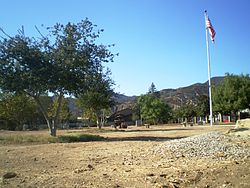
[96, 99]
[186, 111]
[232, 94]
[17, 110]
[136, 108]
[202, 107]
[64, 62]
[153, 91]
[152, 109]
[152, 88]
[64, 115]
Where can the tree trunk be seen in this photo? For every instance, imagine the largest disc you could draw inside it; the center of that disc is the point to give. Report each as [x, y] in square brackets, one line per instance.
[52, 125]
[220, 117]
[103, 119]
[53, 129]
[98, 121]
[45, 114]
[56, 117]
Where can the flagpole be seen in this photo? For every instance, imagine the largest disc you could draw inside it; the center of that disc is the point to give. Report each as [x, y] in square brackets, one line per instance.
[209, 74]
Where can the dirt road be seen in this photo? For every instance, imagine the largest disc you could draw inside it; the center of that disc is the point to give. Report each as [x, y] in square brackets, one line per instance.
[128, 158]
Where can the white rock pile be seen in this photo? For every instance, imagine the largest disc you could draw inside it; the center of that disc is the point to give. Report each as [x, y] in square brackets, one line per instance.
[209, 145]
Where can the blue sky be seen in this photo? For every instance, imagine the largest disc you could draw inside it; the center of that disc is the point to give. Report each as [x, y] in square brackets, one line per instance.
[160, 41]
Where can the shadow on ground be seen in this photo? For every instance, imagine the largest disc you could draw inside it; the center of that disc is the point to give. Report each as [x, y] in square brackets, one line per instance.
[142, 138]
[151, 130]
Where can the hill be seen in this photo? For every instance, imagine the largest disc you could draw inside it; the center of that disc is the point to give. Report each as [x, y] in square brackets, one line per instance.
[174, 97]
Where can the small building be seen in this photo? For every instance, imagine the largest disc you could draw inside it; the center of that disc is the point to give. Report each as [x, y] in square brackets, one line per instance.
[122, 117]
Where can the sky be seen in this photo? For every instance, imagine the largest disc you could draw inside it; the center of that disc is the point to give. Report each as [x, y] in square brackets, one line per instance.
[159, 41]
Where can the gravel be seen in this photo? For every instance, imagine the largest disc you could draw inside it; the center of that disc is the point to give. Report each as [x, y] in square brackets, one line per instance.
[209, 145]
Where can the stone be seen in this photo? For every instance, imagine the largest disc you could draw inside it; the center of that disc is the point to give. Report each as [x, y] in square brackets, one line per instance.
[90, 167]
[209, 145]
[163, 175]
[243, 123]
[9, 175]
[77, 171]
[150, 174]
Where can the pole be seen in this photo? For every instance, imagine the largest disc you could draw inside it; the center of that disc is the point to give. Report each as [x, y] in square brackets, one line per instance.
[209, 73]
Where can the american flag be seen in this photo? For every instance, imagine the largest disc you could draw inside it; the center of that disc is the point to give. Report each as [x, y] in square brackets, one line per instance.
[210, 29]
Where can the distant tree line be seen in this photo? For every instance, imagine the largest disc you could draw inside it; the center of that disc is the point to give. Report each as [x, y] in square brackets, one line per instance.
[229, 97]
[19, 111]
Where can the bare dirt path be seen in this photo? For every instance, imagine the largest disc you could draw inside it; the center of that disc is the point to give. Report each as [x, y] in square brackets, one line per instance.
[128, 158]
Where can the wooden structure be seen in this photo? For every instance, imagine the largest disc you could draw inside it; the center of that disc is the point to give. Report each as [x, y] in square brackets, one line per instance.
[122, 118]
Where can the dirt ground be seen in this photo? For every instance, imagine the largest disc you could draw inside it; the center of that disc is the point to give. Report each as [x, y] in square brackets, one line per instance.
[126, 159]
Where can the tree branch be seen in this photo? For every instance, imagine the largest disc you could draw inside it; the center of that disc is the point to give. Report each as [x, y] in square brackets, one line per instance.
[1, 29]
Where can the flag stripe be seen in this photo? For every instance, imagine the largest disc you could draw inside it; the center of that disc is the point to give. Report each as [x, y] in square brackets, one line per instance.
[210, 29]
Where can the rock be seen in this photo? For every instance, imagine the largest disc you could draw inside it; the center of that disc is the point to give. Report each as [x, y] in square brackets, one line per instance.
[150, 174]
[209, 145]
[163, 175]
[236, 162]
[164, 186]
[243, 123]
[9, 175]
[90, 167]
[77, 171]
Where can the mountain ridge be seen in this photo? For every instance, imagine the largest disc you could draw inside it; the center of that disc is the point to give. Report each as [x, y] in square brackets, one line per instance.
[174, 97]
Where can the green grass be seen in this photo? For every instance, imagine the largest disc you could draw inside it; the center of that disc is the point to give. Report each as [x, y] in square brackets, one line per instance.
[44, 139]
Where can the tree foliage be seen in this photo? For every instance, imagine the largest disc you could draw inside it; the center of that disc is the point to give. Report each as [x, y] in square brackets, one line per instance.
[64, 115]
[152, 88]
[97, 99]
[153, 110]
[66, 61]
[186, 111]
[202, 107]
[17, 110]
[232, 94]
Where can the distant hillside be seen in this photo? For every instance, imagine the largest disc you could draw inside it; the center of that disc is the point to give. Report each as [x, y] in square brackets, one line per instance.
[174, 97]
[124, 101]
[120, 98]
[189, 94]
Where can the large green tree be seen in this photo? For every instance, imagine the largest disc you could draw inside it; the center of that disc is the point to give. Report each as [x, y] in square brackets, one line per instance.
[97, 99]
[186, 112]
[152, 109]
[66, 61]
[233, 94]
